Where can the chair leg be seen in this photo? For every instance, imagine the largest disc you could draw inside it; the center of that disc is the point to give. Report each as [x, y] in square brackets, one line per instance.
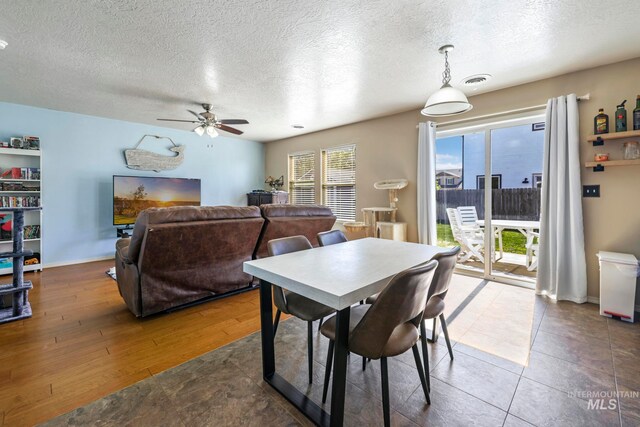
[364, 363]
[425, 352]
[385, 392]
[327, 371]
[434, 332]
[446, 335]
[320, 323]
[275, 323]
[416, 357]
[310, 349]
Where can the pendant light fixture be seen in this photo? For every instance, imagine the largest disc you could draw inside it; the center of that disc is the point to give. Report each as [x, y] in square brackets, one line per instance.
[447, 101]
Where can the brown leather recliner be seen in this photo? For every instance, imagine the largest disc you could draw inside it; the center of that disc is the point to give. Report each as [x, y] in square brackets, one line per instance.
[293, 220]
[182, 254]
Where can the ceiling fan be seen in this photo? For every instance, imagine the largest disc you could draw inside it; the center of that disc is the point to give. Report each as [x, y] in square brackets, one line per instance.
[208, 122]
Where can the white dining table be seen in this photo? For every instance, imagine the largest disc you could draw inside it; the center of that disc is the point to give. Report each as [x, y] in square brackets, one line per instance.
[527, 228]
[338, 276]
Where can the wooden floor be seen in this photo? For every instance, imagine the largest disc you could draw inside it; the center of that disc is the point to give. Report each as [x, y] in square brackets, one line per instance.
[82, 343]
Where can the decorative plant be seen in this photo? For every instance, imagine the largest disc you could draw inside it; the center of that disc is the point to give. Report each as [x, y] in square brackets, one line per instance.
[275, 184]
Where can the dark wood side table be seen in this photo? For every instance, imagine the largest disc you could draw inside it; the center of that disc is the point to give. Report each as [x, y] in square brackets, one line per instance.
[19, 288]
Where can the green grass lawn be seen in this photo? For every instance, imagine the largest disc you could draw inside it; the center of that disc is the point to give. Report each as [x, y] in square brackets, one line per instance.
[512, 241]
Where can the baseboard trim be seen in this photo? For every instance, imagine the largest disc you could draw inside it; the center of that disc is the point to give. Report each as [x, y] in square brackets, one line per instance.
[79, 261]
[596, 300]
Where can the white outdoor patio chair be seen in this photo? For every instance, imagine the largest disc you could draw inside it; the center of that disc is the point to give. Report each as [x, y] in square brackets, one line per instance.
[469, 217]
[532, 245]
[471, 239]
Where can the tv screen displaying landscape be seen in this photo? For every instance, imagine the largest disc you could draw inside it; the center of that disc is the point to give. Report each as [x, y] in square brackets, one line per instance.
[133, 194]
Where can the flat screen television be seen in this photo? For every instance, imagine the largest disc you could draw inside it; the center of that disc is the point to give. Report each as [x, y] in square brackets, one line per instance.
[132, 194]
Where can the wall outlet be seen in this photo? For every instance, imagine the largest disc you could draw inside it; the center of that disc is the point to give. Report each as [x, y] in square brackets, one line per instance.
[590, 191]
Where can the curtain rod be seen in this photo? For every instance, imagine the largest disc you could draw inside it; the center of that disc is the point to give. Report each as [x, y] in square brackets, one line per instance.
[502, 113]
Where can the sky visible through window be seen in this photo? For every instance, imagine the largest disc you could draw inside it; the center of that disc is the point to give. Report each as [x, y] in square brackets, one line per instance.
[449, 153]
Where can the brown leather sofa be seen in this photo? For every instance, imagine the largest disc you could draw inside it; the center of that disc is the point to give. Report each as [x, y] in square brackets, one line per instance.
[180, 255]
[183, 254]
[293, 220]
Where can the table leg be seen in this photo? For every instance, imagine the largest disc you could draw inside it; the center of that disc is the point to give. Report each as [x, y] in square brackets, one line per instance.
[340, 367]
[500, 230]
[266, 330]
[298, 399]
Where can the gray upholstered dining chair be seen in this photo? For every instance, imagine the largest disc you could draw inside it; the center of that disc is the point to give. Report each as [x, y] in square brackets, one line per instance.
[327, 238]
[388, 327]
[331, 237]
[434, 308]
[291, 303]
[435, 303]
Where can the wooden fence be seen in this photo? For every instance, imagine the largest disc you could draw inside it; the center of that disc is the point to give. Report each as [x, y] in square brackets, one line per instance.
[509, 203]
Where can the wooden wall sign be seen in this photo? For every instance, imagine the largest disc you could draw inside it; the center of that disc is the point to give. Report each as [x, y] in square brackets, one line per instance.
[149, 161]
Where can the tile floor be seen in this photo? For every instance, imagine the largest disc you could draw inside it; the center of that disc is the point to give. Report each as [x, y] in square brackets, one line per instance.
[573, 352]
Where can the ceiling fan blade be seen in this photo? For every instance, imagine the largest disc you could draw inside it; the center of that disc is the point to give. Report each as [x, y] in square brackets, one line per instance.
[198, 116]
[229, 129]
[234, 122]
[175, 120]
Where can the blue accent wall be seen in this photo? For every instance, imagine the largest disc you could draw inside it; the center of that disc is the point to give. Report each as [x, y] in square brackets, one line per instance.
[80, 154]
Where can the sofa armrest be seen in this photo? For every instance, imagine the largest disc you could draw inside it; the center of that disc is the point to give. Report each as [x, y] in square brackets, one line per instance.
[122, 250]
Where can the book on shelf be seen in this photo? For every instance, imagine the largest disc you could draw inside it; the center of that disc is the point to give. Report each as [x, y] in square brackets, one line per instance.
[21, 173]
[20, 186]
[20, 201]
[32, 173]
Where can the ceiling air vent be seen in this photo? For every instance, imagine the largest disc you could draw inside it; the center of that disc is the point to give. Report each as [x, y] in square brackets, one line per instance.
[476, 80]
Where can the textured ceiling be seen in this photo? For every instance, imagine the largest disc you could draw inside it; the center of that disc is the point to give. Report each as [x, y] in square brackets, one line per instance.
[282, 62]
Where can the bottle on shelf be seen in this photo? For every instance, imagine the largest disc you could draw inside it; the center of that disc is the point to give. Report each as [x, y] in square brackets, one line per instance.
[621, 117]
[636, 115]
[601, 123]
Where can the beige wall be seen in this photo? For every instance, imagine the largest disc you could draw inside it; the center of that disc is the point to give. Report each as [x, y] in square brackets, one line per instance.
[387, 148]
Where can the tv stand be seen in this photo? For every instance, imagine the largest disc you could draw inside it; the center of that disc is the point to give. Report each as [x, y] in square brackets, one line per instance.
[124, 232]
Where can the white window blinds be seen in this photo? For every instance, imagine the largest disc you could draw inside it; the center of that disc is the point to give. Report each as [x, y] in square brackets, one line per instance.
[302, 190]
[339, 181]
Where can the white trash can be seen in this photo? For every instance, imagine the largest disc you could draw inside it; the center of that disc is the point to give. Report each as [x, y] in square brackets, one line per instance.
[618, 274]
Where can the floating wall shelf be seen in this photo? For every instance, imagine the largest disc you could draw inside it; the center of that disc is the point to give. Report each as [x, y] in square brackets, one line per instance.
[599, 166]
[599, 139]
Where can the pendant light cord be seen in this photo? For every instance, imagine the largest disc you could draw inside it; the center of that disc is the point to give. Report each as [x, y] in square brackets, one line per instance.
[446, 75]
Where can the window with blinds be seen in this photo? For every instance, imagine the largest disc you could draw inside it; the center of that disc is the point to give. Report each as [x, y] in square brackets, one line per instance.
[339, 181]
[302, 189]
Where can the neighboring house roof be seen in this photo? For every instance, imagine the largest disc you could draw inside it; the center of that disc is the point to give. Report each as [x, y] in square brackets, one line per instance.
[456, 173]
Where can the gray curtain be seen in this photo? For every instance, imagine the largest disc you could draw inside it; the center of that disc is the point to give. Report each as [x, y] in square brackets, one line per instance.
[562, 271]
[426, 184]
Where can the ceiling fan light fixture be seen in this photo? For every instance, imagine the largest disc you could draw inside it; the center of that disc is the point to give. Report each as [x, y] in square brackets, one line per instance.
[447, 101]
[211, 131]
[208, 123]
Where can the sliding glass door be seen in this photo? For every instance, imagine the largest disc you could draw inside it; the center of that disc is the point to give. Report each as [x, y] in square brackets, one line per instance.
[460, 159]
[488, 196]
